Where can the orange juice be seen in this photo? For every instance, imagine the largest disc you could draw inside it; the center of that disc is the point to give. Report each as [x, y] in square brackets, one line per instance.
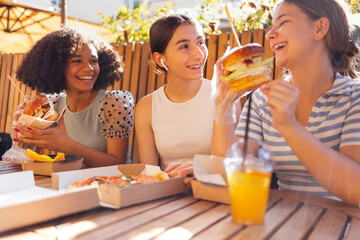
[249, 193]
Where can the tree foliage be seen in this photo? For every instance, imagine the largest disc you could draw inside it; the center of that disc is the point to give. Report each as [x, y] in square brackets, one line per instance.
[210, 15]
[134, 26]
[255, 14]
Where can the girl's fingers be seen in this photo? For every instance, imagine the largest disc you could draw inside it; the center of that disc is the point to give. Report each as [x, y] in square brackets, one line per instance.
[279, 95]
[279, 89]
[22, 105]
[186, 171]
[172, 166]
[182, 169]
[30, 132]
[188, 180]
[34, 142]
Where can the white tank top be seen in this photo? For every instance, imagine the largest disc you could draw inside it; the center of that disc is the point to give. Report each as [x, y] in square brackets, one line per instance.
[182, 130]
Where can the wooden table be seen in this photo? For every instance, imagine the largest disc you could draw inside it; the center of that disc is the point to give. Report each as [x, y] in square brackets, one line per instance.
[289, 216]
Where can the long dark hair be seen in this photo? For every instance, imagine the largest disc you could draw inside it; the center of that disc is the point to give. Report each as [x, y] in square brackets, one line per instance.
[162, 30]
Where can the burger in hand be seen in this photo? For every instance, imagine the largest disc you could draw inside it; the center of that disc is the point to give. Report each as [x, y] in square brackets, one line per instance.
[40, 107]
[245, 67]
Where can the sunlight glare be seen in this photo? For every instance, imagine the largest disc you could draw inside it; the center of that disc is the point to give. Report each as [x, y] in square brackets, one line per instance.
[76, 228]
[176, 233]
[148, 234]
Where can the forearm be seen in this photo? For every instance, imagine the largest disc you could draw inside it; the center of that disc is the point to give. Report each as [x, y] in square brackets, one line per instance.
[148, 153]
[92, 157]
[223, 137]
[149, 160]
[336, 172]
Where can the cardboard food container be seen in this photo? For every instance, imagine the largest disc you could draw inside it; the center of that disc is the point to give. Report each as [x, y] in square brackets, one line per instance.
[47, 168]
[23, 204]
[210, 183]
[118, 197]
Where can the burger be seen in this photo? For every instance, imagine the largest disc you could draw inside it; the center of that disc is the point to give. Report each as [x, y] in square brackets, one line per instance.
[39, 106]
[245, 67]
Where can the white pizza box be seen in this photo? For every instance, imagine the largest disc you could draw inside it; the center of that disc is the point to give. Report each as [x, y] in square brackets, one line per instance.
[118, 197]
[47, 168]
[22, 203]
[211, 182]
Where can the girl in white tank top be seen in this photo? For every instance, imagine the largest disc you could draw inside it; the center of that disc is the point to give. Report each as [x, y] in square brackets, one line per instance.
[175, 122]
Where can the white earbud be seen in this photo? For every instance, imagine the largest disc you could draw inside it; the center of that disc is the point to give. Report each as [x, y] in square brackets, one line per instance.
[164, 66]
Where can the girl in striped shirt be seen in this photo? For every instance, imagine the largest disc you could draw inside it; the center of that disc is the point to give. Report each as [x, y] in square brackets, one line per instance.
[309, 120]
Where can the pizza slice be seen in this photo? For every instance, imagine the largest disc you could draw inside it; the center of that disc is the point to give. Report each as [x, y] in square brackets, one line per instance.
[119, 180]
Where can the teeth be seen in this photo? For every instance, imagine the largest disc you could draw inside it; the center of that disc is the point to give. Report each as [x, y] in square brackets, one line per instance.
[194, 66]
[85, 78]
[280, 45]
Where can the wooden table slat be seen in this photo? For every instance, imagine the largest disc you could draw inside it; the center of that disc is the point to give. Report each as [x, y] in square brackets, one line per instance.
[197, 224]
[48, 232]
[45, 184]
[161, 224]
[354, 230]
[289, 215]
[274, 218]
[331, 226]
[8, 168]
[226, 227]
[120, 226]
[341, 206]
[26, 236]
[221, 230]
[298, 225]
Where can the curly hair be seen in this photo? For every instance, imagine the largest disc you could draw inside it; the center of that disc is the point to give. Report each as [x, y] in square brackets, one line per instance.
[43, 67]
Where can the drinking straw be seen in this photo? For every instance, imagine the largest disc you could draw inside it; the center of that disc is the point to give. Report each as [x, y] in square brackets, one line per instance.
[232, 26]
[247, 126]
[17, 88]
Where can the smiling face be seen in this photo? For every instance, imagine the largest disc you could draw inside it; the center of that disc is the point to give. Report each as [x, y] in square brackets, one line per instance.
[82, 69]
[292, 36]
[186, 53]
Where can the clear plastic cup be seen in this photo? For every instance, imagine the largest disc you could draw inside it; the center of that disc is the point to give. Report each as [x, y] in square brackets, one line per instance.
[248, 182]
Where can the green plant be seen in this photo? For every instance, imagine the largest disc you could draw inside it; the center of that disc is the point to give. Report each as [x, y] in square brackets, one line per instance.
[255, 14]
[133, 26]
[355, 6]
[210, 15]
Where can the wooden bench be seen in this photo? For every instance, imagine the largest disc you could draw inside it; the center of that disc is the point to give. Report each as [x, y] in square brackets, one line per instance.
[139, 73]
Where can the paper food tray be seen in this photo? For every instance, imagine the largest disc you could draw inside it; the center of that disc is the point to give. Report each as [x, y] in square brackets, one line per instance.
[23, 204]
[210, 183]
[120, 197]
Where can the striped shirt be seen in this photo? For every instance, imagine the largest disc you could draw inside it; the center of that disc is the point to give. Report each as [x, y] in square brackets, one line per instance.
[334, 120]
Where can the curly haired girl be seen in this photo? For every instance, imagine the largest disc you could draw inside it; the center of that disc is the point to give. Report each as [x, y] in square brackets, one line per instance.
[74, 67]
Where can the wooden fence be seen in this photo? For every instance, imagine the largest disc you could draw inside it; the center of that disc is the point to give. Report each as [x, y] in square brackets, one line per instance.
[139, 73]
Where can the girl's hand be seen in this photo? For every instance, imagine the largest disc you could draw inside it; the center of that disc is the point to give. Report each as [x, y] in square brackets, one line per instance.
[19, 111]
[224, 100]
[181, 169]
[282, 100]
[53, 138]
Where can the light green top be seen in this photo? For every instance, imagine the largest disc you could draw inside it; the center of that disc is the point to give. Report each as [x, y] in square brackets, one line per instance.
[110, 115]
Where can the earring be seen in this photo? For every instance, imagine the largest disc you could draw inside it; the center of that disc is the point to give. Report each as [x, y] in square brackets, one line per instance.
[316, 42]
[161, 60]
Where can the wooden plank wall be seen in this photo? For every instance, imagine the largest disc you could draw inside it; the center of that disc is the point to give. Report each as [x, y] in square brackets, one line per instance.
[141, 75]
